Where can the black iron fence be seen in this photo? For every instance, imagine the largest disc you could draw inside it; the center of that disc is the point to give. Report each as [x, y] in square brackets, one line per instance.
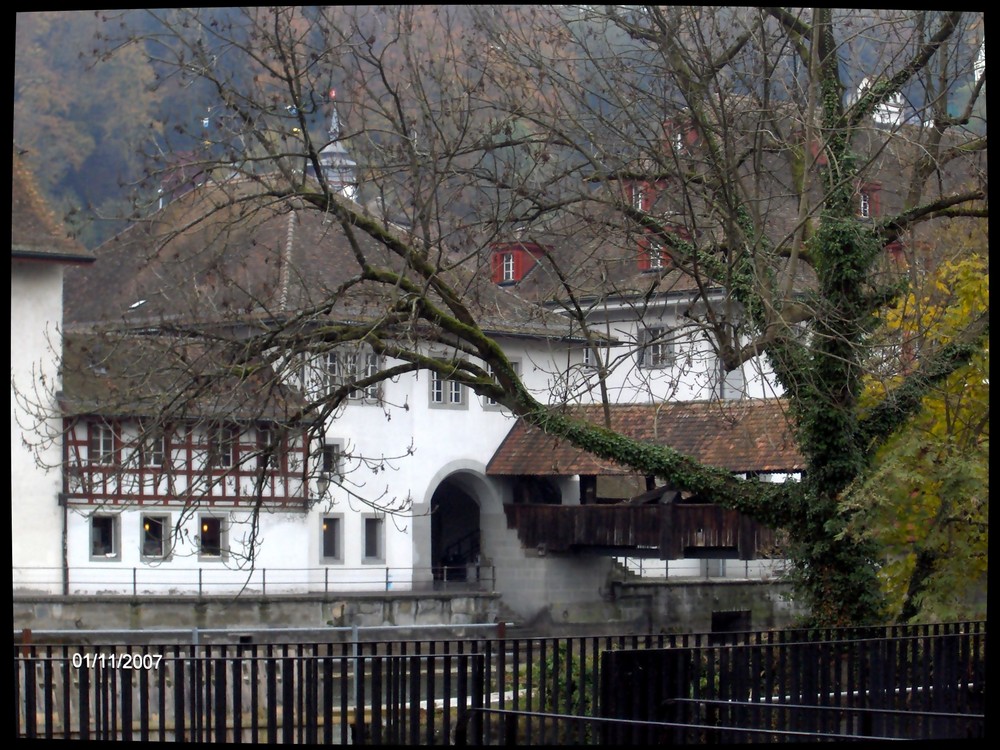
[895, 684]
[926, 681]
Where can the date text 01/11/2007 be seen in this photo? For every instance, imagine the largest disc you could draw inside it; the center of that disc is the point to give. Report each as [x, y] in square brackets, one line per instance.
[116, 661]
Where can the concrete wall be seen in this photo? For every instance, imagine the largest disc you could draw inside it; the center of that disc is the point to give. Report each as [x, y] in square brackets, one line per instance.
[146, 615]
[623, 608]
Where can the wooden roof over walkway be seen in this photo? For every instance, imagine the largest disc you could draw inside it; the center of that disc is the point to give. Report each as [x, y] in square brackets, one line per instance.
[740, 436]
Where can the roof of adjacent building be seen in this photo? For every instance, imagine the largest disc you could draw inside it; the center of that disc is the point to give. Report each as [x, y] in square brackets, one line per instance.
[35, 233]
[158, 376]
[739, 436]
[214, 256]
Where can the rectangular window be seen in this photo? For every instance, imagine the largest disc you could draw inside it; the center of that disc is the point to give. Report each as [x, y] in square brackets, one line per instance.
[155, 536]
[270, 450]
[508, 267]
[656, 348]
[331, 549]
[102, 444]
[374, 541]
[866, 206]
[221, 447]
[446, 393]
[437, 388]
[655, 255]
[154, 449]
[104, 537]
[211, 538]
[342, 368]
[370, 368]
[489, 402]
[638, 196]
[331, 458]
[331, 369]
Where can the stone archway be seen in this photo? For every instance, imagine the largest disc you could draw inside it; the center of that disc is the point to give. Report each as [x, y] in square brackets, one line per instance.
[455, 530]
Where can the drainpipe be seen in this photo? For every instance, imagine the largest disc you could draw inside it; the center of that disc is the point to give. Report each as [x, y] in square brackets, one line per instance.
[65, 543]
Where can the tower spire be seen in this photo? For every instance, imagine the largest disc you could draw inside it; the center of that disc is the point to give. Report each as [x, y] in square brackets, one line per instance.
[338, 167]
[334, 119]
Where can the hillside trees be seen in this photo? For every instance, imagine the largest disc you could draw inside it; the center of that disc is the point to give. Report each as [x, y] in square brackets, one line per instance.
[82, 121]
[469, 125]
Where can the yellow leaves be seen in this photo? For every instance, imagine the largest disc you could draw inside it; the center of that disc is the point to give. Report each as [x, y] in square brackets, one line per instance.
[927, 496]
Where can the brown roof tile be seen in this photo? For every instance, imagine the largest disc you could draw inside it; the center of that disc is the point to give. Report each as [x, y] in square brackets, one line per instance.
[740, 436]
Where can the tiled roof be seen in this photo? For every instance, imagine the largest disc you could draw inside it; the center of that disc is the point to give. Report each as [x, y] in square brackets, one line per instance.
[213, 256]
[34, 230]
[140, 376]
[740, 436]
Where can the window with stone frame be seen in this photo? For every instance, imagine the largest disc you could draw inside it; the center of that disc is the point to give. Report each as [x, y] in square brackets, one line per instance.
[656, 347]
[105, 537]
[445, 393]
[373, 539]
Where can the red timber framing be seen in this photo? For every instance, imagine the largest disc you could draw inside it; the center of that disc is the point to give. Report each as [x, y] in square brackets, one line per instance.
[123, 462]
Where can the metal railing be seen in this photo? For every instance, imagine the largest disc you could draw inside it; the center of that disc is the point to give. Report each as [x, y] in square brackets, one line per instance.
[206, 580]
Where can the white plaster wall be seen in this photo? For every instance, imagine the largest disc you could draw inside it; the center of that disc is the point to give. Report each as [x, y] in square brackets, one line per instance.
[280, 562]
[694, 375]
[35, 475]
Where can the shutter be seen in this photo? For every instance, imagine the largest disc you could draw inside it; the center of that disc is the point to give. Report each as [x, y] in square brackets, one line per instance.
[497, 270]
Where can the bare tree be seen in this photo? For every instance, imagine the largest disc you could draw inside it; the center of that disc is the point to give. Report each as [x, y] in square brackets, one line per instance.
[738, 151]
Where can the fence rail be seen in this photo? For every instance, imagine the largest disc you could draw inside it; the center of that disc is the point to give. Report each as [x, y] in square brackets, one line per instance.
[927, 680]
[207, 580]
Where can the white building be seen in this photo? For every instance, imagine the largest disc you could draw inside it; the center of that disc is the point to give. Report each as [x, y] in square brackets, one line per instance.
[394, 490]
[39, 251]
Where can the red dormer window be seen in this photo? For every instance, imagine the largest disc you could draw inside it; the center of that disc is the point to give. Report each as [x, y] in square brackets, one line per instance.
[680, 134]
[639, 196]
[652, 256]
[869, 200]
[512, 260]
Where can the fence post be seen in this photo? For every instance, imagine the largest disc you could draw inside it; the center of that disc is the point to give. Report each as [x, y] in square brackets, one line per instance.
[508, 736]
[263, 581]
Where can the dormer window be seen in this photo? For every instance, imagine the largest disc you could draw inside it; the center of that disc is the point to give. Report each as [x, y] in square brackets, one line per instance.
[652, 256]
[511, 261]
[508, 267]
[656, 261]
[638, 196]
[869, 200]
